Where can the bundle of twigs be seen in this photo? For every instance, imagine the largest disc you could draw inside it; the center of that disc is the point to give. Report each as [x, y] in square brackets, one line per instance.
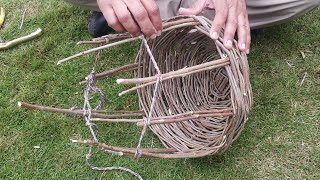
[194, 94]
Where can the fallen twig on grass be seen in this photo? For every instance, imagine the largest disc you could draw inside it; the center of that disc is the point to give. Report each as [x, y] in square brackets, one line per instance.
[20, 40]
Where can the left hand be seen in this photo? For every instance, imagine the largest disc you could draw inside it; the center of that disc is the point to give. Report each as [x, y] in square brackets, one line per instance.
[231, 15]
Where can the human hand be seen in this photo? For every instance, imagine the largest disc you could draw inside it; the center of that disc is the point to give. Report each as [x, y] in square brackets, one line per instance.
[231, 15]
[134, 16]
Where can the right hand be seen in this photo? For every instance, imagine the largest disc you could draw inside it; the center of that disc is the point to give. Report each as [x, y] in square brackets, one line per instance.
[230, 14]
[134, 16]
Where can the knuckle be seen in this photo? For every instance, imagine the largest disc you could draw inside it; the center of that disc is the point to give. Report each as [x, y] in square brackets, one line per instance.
[147, 31]
[228, 35]
[154, 11]
[124, 18]
[141, 15]
[219, 22]
[133, 30]
[233, 22]
[218, 25]
[246, 26]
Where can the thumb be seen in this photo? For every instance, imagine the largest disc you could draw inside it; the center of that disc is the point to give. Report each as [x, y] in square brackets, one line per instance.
[194, 9]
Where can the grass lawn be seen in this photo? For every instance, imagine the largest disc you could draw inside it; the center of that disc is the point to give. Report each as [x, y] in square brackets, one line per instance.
[281, 139]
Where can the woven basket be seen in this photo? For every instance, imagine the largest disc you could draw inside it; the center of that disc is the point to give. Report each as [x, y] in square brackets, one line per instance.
[203, 93]
[208, 107]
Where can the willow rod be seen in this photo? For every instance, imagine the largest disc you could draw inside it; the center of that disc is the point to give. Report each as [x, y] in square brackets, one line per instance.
[97, 49]
[130, 152]
[68, 111]
[116, 71]
[192, 117]
[174, 76]
[177, 73]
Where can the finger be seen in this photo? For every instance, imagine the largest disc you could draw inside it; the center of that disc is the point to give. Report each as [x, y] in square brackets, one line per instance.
[194, 9]
[125, 18]
[219, 19]
[231, 27]
[244, 27]
[248, 33]
[141, 16]
[154, 14]
[242, 33]
[111, 18]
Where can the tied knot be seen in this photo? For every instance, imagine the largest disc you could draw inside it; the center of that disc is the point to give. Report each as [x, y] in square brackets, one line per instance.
[90, 124]
[88, 156]
[159, 76]
[86, 112]
[138, 154]
[147, 121]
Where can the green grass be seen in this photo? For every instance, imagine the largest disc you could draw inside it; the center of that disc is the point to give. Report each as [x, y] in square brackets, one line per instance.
[281, 138]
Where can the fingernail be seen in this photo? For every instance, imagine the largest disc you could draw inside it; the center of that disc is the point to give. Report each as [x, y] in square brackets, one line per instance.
[229, 43]
[159, 33]
[248, 51]
[214, 35]
[181, 10]
[243, 46]
[153, 36]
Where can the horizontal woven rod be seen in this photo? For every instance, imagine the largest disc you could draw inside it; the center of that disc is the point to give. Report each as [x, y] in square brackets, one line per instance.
[92, 42]
[181, 25]
[109, 37]
[140, 122]
[156, 150]
[173, 118]
[116, 120]
[119, 111]
[165, 155]
[68, 111]
[121, 42]
[116, 71]
[112, 37]
[173, 23]
[125, 149]
[174, 73]
[98, 49]
[106, 38]
[170, 77]
[194, 112]
[194, 116]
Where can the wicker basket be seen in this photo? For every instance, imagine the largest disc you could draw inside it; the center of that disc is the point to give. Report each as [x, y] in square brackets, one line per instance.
[195, 94]
[206, 105]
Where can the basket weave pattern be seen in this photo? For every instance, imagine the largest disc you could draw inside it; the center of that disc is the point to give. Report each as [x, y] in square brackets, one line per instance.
[213, 102]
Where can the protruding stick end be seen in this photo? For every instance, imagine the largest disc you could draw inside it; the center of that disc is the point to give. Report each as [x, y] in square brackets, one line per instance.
[119, 81]
[74, 141]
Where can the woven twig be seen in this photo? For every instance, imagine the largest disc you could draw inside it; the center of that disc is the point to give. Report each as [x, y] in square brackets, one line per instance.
[194, 93]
